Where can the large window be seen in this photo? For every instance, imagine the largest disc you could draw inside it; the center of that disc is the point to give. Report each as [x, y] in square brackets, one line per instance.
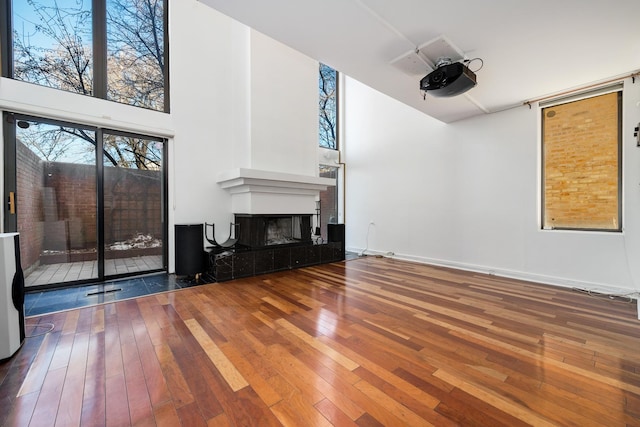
[327, 209]
[110, 49]
[328, 107]
[582, 164]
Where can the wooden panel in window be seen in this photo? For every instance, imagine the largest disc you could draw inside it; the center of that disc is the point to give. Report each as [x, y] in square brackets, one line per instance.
[581, 161]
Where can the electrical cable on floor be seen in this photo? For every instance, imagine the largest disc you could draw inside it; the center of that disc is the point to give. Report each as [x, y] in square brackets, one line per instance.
[630, 270]
[628, 298]
[51, 326]
[367, 245]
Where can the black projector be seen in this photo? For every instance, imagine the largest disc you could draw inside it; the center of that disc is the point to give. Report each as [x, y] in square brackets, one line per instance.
[448, 80]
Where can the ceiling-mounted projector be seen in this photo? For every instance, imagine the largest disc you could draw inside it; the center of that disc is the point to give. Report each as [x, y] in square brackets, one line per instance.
[448, 79]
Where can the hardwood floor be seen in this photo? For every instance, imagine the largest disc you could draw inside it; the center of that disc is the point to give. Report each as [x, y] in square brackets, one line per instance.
[367, 342]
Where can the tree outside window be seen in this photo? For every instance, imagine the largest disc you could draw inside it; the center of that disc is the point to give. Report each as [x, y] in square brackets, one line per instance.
[53, 46]
[328, 107]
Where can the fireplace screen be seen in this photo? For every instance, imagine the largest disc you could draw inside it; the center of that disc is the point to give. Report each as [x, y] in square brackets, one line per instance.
[283, 230]
[267, 230]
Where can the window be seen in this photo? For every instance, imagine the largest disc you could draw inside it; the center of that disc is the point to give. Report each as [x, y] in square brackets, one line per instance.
[581, 143]
[90, 203]
[328, 107]
[328, 205]
[115, 51]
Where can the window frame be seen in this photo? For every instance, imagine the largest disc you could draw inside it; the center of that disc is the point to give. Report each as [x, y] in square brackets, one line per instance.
[10, 183]
[615, 88]
[99, 50]
[337, 103]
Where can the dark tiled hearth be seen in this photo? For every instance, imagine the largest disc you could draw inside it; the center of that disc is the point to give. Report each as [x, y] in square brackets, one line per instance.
[63, 299]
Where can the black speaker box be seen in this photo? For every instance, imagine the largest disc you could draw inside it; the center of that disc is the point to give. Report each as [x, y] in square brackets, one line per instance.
[335, 234]
[189, 254]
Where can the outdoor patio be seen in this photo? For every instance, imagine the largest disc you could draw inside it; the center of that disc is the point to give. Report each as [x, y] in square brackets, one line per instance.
[84, 270]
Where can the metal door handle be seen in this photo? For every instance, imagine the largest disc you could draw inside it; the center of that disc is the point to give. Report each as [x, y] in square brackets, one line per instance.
[12, 203]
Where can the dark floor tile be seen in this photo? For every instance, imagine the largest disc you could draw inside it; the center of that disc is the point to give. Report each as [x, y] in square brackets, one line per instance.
[131, 292]
[37, 303]
[34, 311]
[30, 300]
[87, 290]
[61, 296]
[159, 279]
[162, 287]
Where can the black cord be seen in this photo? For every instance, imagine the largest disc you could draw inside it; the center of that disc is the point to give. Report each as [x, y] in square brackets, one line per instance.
[469, 61]
[624, 298]
[47, 325]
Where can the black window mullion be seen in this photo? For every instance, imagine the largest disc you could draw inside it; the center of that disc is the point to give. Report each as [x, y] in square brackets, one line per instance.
[338, 124]
[165, 35]
[100, 200]
[165, 205]
[6, 36]
[99, 29]
[10, 180]
[620, 163]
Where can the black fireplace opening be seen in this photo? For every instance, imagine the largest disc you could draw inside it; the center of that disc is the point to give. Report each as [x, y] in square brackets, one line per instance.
[269, 230]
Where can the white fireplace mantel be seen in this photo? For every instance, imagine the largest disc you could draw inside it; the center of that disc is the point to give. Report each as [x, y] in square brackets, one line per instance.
[256, 191]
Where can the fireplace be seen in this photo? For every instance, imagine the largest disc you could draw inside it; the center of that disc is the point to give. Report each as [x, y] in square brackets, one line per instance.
[268, 230]
[268, 243]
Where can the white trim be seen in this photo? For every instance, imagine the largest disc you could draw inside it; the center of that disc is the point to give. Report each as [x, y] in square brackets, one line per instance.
[242, 179]
[512, 274]
[84, 119]
[588, 93]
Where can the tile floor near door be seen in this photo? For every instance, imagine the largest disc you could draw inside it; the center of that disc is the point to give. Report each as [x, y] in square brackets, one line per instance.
[81, 296]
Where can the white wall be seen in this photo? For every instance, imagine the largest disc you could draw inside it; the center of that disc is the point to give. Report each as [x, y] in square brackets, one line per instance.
[467, 195]
[284, 108]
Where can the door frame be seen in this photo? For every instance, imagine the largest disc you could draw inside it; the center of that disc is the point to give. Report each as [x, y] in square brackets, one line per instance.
[10, 221]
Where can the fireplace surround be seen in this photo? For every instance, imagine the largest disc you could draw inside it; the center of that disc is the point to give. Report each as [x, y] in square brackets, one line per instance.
[268, 240]
[269, 243]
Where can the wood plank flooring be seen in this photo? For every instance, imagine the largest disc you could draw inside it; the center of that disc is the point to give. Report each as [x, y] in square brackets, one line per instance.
[367, 342]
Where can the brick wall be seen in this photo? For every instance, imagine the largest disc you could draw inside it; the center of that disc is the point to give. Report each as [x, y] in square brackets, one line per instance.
[56, 204]
[133, 203]
[29, 205]
[69, 206]
[581, 141]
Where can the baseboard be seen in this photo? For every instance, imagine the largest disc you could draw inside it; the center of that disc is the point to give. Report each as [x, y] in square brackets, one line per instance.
[512, 274]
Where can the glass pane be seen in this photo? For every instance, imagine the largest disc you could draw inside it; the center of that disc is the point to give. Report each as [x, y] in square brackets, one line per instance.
[327, 107]
[581, 143]
[328, 200]
[56, 202]
[135, 52]
[133, 197]
[52, 44]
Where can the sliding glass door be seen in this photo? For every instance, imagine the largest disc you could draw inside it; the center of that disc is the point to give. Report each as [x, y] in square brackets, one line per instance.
[89, 203]
[55, 201]
[133, 204]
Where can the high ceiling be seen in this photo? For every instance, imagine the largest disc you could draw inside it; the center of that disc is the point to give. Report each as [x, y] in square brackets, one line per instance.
[530, 49]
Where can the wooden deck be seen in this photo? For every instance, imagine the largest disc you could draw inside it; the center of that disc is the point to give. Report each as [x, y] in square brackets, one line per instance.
[71, 271]
[367, 342]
